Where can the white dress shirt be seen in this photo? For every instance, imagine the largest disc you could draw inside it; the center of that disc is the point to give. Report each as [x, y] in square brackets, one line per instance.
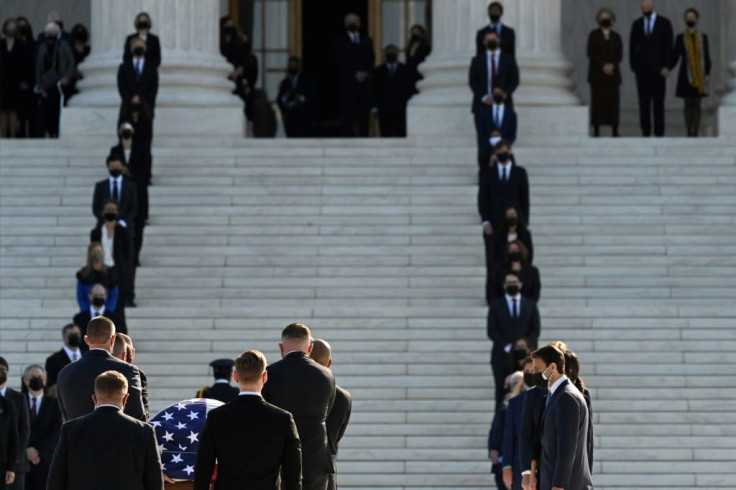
[222, 381]
[107, 244]
[253, 393]
[93, 312]
[119, 181]
[510, 305]
[498, 111]
[504, 171]
[71, 353]
[354, 36]
[556, 385]
[138, 64]
[649, 23]
[127, 153]
[38, 401]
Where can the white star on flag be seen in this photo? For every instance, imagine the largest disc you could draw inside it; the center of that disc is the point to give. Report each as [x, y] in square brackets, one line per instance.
[176, 458]
[183, 448]
[156, 423]
[181, 425]
[168, 436]
[161, 448]
[193, 436]
[168, 416]
[189, 469]
[193, 415]
[180, 406]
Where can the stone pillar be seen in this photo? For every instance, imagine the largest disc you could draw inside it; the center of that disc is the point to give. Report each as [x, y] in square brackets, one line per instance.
[194, 95]
[443, 106]
[727, 110]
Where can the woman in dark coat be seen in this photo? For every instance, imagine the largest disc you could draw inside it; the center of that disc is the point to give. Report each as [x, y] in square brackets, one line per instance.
[605, 52]
[12, 65]
[417, 50]
[692, 82]
[514, 228]
[516, 258]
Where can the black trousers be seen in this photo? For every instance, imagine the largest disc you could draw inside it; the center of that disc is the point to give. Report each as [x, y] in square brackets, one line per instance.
[355, 103]
[497, 470]
[500, 368]
[20, 480]
[50, 110]
[36, 480]
[488, 243]
[295, 122]
[392, 122]
[316, 482]
[652, 88]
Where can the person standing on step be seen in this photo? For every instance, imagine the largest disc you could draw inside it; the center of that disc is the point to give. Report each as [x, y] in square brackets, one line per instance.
[490, 70]
[125, 351]
[295, 100]
[355, 62]
[21, 420]
[302, 387]
[9, 449]
[117, 246]
[98, 299]
[650, 57]
[70, 351]
[221, 389]
[138, 77]
[693, 48]
[339, 417]
[392, 90]
[605, 52]
[142, 26]
[509, 319]
[506, 33]
[564, 458]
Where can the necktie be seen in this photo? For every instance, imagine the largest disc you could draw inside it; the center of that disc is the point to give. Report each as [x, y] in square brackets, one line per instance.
[494, 70]
[496, 116]
[138, 70]
[506, 177]
[115, 190]
[75, 356]
[515, 307]
[649, 26]
[34, 410]
[549, 395]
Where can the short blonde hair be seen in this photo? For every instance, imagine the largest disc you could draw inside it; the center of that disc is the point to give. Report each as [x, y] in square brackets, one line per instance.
[607, 10]
[250, 365]
[110, 384]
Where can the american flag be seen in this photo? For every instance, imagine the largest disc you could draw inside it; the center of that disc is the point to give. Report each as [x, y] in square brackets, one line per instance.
[178, 428]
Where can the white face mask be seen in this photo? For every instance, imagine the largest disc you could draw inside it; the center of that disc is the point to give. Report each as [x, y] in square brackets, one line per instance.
[494, 140]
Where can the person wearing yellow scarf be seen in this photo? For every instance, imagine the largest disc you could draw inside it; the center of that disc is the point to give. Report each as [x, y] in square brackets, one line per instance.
[692, 83]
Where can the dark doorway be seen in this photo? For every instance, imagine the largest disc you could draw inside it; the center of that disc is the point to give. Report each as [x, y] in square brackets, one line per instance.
[322, 22]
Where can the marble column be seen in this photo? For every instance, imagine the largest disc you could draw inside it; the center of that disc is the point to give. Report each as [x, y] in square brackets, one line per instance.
[727, 110]
[194, 95]
[444, 102]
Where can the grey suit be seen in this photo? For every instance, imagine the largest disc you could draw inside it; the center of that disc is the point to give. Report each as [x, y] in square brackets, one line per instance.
[76, 385]
[564, 460]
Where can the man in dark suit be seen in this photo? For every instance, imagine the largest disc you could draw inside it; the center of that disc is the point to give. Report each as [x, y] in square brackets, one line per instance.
[106, 448]
[307, 390]
[503, 127]
[564, 463]
[339, 417]
[489, 70]
[512, 466]
[392, 86]
[650, 55]
[45, 419]
[221, 389]
[63, 35]
[70, 351]
[76, 381]
[355, 60]
[9, 445]
[23, 424]
[507, 34]
[117, 188]
[142, 26]
[251, 440]
[138, 77]
[295, 100]
[97, 296]
[125, 351]
[510, 319]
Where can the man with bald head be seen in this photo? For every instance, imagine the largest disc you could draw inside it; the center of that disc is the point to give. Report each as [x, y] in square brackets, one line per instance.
[337, 420]
[306, 389]
[97, 300]
[75, 385]
[355, 61]
[125, 351]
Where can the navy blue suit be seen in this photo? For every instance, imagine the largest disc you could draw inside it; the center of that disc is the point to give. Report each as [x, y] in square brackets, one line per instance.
[531, 421]
[564, 461]
[512, 435]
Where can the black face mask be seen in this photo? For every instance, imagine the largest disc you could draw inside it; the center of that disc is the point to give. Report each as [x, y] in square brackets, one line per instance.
[515, 257]
[231, 30]
[503, 156]
[537, 380]
[35, 384]
[98, 301]
[498, 98]
[492, 45]
[494, 18]
[3, 377]
[111, 216]
[11, 33]
[648, 14]
[521, 353]
[51, 40]
[529, 380]
[142, 25]
[353, 27]
[135, 106]
[606, 23]
[415, 38]
[392, 57]
[115, 173]
[511, 221]
[512, 290]
[690, 23]
[293, 71]
[139, 51]
[126, 134]
[74, 340]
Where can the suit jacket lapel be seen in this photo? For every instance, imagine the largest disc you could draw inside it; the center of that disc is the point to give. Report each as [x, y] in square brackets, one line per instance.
[553, 398]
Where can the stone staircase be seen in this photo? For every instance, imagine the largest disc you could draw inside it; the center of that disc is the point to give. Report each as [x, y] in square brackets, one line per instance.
[376, 246]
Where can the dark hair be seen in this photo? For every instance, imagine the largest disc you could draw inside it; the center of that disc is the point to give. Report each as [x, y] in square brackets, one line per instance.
[522, 250]
[8, 21]
[520, 219]
[250, 366]
[420, 27]
[550, 354]
[135, 39]
[100, 329]
[390, 46]
[572, 370]
[514, 361]
[140, 14]
[111, 383]
[512, 273]
[496, 4]
[113, 157]
[67, 327]
[80, 33]
[694, 11]
[110, 201]
[4, 363]
[294, 58]
[19, 19]
[224, 20]
[503, 142]
[296, 331]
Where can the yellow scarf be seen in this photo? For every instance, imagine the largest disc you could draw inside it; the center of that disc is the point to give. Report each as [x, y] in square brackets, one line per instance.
[694, 61]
